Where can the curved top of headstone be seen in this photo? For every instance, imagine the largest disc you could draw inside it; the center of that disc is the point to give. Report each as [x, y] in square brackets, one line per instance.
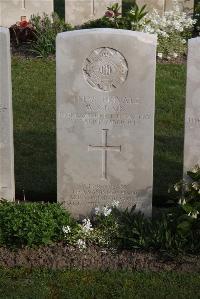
[194, 40]
[146, 37]
[4, 30]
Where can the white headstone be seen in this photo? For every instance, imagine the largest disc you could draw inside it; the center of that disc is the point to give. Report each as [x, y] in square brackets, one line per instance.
[105, 119]
[78, 12]
[12, 11]
[192, 109]
[7, 186]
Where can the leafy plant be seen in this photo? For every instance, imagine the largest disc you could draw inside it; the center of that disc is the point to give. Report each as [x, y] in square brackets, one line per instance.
[173, 29]
[114, 19]
[21, 32]
[135, 17]
[32, 223]
[46, 29]
[196, 16]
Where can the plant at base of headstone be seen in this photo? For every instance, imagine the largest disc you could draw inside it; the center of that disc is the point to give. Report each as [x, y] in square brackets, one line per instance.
[113, 13]
[79, 235]
[46, 29]
[187, 199]
[105, 228]
[173, 29]
[197, 17]
[21, 32]
[131, 20]
[32, 224]
[135, 17]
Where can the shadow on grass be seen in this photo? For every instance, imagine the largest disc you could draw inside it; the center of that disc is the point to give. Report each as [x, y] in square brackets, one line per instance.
[168, 165]
[35, 166]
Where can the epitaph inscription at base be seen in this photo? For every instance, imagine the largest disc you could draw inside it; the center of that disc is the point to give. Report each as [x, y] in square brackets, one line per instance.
[105, 119]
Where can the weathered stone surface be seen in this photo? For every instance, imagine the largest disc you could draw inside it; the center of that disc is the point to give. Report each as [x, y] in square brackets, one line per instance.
[161, 5]
[192, 109]
[78, 12]
[105, 119]
[184, 5]
[12, 11]
[7, 186]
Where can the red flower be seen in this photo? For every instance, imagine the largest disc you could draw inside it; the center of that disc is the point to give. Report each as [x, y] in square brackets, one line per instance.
[109, 14]
[23, 24]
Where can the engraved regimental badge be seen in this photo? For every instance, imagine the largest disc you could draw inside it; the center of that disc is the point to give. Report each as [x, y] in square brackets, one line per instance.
[105, 69]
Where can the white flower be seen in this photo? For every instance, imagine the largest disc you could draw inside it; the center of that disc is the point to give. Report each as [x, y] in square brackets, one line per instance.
[182, 201]
[81, 244]
[176, 187]
[175, 55]
[194, 215]
[87, 226]
[115, 204]
[160, 55]
[183, 41]
[97, 211]
[195, 185]
[195, 169]
[106, 211]
[66, 229]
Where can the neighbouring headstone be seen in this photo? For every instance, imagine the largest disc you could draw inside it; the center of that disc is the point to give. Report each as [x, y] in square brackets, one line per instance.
[12, 11]
[192, 109]
[7, 185]
[105, 119]
[162, 6]
[186, 6]
[78, 12]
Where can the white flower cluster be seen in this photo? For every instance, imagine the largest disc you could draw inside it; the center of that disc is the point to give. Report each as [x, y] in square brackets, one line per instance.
[169, 22]
[106, 210]
[182, 201]
[87, 226]
[195, 169]
[66, 230]
[81, 244]
[170, 28]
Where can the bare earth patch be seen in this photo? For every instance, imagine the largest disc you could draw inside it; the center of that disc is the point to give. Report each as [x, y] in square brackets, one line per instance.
[59, 256]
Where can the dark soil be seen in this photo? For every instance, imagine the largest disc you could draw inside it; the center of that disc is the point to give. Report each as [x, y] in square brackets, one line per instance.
[58, 256]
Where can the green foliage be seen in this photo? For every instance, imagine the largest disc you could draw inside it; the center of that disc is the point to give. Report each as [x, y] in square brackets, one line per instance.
[46, 29]
[98, 23]
[172, 232]
[32, 223]
[113, 19]
[197, 17]
[135, 16]
[187, 198]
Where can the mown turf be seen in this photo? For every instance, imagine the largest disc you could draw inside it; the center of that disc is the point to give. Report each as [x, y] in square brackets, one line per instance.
[35, 284]
[169, 128]
[35, 133]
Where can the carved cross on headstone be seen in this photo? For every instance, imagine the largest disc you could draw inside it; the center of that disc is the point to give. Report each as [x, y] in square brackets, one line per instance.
[104, 148]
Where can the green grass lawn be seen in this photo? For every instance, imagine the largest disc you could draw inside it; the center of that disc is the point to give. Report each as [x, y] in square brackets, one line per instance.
[40, 284]
[35, 128]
